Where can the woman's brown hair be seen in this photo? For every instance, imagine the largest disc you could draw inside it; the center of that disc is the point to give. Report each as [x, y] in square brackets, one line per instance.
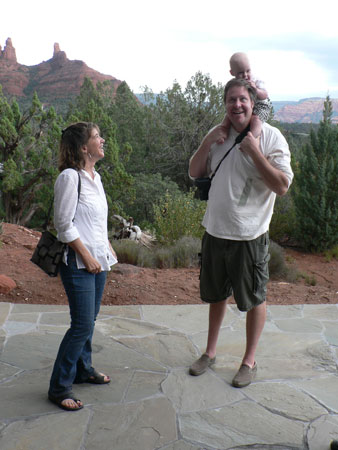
[73, 138]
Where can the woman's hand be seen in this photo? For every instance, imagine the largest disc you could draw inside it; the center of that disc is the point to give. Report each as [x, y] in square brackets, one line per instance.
[91, 264]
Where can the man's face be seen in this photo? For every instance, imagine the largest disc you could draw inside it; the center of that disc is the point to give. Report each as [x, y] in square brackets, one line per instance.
[239, 107]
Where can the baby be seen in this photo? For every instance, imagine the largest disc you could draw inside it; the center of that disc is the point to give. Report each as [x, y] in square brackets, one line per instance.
[240, 68]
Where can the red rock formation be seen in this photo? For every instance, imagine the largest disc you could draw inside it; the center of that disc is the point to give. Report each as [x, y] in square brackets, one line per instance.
[306, 111]
[8, 53]
[58, 77]
[13, 76]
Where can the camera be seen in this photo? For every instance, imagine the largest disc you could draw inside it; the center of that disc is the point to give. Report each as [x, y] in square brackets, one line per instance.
[203, 186]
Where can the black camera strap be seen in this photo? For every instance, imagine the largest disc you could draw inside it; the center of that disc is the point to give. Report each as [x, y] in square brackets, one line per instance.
[238, 140]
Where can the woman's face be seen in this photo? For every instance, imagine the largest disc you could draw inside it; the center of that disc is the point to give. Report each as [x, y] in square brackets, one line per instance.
[94, 146]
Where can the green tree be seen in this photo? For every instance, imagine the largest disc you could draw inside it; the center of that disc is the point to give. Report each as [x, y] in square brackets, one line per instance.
[177, 122]
[93, 105]
[149, 189]
[128, 113]
[28, 149]
[316, 190]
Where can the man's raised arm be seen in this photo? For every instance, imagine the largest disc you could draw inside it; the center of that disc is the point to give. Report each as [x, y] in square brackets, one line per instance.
[274, 179]
[199, 160]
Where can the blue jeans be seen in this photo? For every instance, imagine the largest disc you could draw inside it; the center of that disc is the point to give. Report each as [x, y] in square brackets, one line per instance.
[74, 360]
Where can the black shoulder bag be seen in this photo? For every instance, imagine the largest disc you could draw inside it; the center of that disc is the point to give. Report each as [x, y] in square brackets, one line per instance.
[49, 250]
[203, 184]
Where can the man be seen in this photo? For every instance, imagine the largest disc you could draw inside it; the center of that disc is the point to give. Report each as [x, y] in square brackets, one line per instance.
[241, 199]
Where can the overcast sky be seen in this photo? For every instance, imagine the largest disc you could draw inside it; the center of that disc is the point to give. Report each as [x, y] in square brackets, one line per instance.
[292, 44]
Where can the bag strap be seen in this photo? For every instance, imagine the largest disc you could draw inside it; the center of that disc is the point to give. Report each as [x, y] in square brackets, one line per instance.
[78, 191]
[44, 226]
[238, 140]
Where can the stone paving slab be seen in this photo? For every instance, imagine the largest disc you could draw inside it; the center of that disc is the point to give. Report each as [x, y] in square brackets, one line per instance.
[152, 403]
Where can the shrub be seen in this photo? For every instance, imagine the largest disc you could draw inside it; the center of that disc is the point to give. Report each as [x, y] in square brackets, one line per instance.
[332, 253]
[309, 279]
[277, 265]
[127, 251]
[183, 253]
[177, 216]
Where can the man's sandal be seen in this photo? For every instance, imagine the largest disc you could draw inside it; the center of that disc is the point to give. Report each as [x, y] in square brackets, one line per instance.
[57, 400]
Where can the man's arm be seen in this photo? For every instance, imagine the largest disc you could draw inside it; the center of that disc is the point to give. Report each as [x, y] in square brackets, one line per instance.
[199, 160]
[274, 179]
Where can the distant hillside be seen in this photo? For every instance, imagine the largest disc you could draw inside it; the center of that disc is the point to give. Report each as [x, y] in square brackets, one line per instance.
[56, 81]
[305, 111]
[308, 110]
[280, 104]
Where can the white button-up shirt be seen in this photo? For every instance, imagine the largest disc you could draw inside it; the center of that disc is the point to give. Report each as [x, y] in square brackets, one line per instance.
[85, 218]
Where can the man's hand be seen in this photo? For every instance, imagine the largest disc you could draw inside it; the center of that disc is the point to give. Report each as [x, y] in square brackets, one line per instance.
[250, 145]
[274, 179]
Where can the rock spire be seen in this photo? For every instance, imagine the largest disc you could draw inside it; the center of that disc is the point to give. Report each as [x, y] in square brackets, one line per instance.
[8, 53]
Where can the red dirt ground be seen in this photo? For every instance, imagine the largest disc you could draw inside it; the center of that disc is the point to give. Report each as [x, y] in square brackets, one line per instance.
[130, 285]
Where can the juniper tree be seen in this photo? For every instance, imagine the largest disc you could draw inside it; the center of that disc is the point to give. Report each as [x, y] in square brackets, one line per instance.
[28, 151]
[177, 123]
[316, 186]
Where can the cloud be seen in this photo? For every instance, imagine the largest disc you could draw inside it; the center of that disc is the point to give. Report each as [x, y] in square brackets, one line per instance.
[320, 49]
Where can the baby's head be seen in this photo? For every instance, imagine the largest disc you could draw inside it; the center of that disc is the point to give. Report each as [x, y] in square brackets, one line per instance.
[240, 66]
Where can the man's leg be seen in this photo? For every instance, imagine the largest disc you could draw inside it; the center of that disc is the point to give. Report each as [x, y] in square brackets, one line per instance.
[255, 320]
[216, 315]
[214, 285]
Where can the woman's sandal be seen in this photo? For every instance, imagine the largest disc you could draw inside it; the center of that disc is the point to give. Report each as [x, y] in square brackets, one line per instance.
[57, 400]
[97, 378]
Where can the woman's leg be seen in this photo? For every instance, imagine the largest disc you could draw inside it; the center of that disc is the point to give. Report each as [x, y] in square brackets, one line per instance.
[84, 364]
[80, 289]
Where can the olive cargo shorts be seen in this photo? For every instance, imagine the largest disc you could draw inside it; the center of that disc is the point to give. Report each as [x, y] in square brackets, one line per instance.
[234, 267]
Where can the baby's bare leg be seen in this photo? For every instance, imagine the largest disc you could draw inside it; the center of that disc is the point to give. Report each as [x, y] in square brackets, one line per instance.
[255, 125]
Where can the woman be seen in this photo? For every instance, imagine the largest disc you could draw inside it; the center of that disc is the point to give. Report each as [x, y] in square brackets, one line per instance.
[80, 218]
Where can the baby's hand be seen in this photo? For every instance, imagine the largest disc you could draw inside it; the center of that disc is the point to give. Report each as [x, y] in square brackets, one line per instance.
[223, 134]
[221, 140]
[252, 84]
[217, 135]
